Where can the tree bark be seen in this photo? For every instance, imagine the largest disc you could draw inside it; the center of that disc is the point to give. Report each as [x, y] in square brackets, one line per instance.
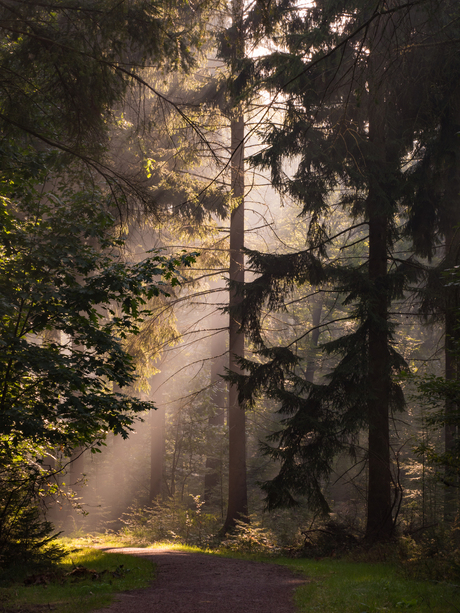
[379, 504]
[76, 475]
[379, 210]
[237, 484]
[450, 430]
[451, 319]
[157, 438]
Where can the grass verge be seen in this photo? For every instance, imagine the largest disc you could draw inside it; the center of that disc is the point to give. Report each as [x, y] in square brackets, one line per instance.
[335, 586]
[338, 586]
[332, 586]
[368, 588]
[81, 591]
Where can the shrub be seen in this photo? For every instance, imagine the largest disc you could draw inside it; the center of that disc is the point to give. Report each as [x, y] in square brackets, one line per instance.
[171, 520]
[250, 537]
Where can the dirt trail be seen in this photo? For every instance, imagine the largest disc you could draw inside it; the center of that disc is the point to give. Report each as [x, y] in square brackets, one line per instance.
[200, 583]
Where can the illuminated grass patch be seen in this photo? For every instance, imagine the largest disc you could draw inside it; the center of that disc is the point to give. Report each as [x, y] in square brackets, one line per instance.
[71, 591]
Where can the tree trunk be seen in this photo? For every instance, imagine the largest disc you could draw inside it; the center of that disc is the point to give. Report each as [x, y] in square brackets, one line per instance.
[76, 475]
[237, 485]
[452, 306]
[157, 438]
[157, 452]
[118, 495]
[379, 504]
[450, 430]
[314, 337]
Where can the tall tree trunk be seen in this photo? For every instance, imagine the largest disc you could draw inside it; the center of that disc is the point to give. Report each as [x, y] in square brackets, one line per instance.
[75, 472]
[117, 493]
[450, 430]
[237, 485]
[157, 438]
[379, 504]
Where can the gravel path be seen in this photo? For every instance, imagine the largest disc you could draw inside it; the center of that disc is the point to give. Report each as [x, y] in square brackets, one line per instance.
[200, 583]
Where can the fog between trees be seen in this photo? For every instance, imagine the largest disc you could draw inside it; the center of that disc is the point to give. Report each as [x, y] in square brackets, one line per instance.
[347, 318]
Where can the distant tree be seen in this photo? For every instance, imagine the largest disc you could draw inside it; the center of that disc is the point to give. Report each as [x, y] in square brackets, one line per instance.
[216, 420]
[433, 200]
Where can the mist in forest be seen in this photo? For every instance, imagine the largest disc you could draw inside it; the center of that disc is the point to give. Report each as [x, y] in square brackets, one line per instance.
[178, 453]
[245, 217]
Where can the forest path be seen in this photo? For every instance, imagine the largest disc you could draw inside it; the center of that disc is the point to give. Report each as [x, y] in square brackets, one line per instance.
[200, 583]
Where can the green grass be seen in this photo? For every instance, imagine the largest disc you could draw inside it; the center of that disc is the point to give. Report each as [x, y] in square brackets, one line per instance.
[84, 594]
[335, 586]
[113, 541]
[332, 586]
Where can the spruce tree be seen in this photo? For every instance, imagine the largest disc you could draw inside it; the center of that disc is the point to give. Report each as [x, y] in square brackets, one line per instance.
[350, 121]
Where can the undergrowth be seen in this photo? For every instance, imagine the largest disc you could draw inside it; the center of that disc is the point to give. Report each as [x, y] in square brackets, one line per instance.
[171, 521]
[429, 554]
[379, 579]
[417, 572]
[84, 580]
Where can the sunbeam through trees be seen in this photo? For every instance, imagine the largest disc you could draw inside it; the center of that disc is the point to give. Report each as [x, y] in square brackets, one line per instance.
[229, 252]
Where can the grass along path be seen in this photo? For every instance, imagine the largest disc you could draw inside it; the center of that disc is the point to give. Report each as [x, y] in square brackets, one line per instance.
[350, 587]
[81, 591]
[334, 586]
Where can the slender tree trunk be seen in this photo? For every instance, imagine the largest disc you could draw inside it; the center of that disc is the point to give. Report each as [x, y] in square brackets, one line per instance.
[451, 203]
[314, 337]
[157, 438]
[237, 485]
[157, 452]
[452, 370]
[76, 470]
[450, 430]
[118, 495]
[177, 461]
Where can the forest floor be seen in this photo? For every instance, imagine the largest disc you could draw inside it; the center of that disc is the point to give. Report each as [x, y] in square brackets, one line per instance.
[200, 583]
